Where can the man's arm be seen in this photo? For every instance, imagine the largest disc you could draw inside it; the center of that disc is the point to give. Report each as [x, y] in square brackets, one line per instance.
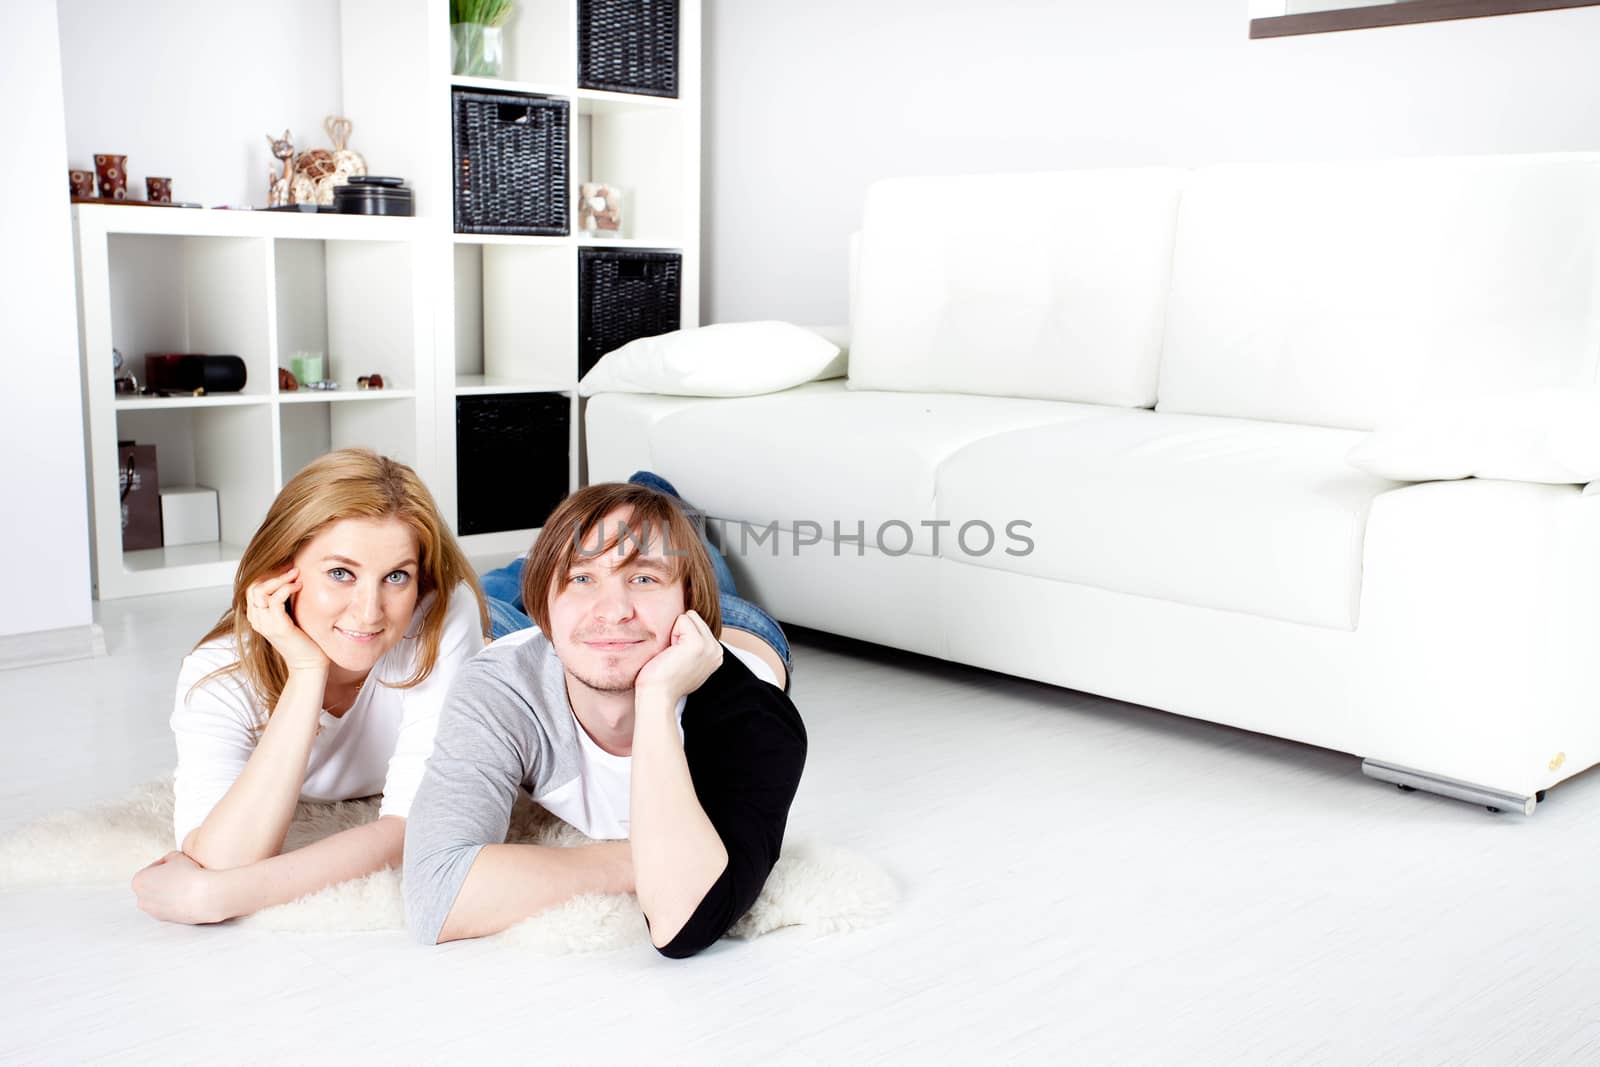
[705, 842]
[677, 853]
[746, 769]
[508, 883]
[460, 880]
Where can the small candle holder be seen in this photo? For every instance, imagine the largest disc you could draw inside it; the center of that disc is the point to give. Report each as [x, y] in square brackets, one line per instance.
[307, 367]
[112, 171]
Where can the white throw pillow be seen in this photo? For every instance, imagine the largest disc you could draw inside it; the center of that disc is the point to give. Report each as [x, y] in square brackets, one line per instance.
[1537, 435]
[728, 359]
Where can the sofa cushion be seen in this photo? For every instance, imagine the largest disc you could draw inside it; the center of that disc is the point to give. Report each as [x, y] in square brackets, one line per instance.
[1048, 286]
[617, 428]
[818, 453]
[1341, 294]
[726, 359]
[1258, 517]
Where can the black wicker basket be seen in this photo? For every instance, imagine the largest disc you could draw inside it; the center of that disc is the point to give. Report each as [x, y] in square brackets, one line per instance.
[628, 46]
[511, 460]
[511, 163]
[624, 295]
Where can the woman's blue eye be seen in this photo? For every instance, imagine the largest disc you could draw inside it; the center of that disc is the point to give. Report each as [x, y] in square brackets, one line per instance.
[398, 577]
[579, 578]
[644, 578]
[338, 574]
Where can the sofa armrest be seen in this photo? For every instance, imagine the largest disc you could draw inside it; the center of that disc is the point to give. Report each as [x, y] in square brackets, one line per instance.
[1549, 436]
[1480, 611]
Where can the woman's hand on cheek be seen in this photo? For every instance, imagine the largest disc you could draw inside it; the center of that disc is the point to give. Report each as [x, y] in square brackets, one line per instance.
[177, 889]
[267, 609]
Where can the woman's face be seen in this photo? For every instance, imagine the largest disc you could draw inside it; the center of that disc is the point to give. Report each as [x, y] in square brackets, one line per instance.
[358, 588]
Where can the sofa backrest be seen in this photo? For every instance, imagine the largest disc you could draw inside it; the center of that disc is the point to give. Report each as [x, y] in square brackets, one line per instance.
[1340, 294]
[1050, 286]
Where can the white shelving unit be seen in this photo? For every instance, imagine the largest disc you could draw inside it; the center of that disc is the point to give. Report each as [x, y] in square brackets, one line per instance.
[259, 285]
[510, 320]
[440, 315]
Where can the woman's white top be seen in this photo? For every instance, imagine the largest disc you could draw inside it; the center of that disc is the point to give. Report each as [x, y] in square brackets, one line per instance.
[380, 745]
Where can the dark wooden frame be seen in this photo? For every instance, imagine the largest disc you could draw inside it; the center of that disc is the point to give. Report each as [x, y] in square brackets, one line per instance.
[1400, 14]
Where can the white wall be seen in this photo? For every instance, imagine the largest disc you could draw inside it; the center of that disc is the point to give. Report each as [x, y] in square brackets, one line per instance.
[184, 90]
[44, 536]
[189, 90]
[806, 104]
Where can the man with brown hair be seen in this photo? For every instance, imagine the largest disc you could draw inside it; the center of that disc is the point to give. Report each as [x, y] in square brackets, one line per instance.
[620, 713]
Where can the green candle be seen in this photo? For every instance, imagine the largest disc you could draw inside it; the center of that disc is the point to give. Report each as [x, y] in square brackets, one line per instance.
[307, 366]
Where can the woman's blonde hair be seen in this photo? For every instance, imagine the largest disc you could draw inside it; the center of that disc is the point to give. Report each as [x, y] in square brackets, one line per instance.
[351, 483]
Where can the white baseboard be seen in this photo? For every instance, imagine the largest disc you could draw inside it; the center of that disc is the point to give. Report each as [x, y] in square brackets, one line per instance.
[52, 646]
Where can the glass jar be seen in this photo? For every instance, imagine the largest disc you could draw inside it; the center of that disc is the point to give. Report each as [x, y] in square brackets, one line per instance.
[477, 51]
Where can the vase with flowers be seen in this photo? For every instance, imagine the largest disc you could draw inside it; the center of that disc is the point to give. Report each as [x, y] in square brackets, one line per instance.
[476, 27]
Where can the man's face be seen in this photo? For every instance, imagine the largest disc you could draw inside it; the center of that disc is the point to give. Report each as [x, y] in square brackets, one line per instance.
[609, 617]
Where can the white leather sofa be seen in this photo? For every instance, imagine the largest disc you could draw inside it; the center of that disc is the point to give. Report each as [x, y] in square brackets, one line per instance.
[1162, 371]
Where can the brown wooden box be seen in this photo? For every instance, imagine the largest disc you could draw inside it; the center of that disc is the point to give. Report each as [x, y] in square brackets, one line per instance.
[141, 496]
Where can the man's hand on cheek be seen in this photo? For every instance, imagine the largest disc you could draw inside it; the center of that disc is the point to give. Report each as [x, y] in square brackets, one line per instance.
[691, 655]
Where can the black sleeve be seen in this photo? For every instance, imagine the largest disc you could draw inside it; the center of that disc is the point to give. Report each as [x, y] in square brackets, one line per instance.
[745, 746]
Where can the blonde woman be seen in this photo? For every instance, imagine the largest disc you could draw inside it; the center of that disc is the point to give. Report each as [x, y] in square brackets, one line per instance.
[353, 608]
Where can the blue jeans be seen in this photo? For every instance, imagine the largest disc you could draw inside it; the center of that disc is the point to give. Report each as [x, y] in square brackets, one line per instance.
[502, 588]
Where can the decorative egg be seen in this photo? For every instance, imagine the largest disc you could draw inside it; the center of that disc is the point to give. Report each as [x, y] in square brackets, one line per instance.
[349, 161]
[316, 164]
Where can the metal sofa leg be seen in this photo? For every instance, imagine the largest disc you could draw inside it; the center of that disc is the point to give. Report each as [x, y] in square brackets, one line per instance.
[1409, 779]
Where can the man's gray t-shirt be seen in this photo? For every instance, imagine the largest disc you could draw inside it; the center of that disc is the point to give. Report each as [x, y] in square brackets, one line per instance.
[508, 725]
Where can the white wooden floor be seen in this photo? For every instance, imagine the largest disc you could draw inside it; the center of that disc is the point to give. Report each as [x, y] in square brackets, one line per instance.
[1084, 880]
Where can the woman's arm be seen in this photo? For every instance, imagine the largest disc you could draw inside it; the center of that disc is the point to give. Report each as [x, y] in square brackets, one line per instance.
[250, 821]
[176, 889]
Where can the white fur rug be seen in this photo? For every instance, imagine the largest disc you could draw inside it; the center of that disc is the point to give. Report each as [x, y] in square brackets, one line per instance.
[826, 889]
